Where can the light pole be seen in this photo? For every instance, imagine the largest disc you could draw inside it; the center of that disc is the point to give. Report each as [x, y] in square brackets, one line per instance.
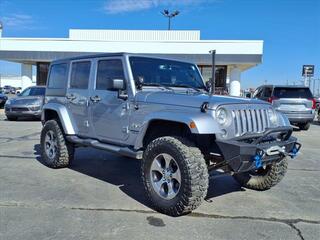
[169, 15]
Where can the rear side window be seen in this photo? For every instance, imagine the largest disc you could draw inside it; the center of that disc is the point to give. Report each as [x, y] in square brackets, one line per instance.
[292, 93]
[80, 73]
[107, 71]
[58, 76]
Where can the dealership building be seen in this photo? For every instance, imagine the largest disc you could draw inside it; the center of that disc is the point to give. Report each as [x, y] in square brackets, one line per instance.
[232, 56]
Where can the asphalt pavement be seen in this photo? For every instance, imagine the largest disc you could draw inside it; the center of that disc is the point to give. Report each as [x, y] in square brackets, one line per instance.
[100, 196]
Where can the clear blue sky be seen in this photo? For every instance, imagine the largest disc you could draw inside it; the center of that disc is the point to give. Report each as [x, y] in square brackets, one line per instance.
[290, 28]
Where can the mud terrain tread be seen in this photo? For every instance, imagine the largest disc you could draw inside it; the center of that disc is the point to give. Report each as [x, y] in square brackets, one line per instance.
[261, 183]
[196, 180]
[65, 151]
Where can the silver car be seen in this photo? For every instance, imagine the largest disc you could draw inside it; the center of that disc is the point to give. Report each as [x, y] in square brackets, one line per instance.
[296, 102]
[27, 104]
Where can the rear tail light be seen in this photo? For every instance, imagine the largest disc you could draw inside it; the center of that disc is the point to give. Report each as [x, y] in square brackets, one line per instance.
[314, 103]
[271, 99]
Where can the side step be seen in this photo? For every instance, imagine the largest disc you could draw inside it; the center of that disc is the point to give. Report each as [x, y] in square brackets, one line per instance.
[124, 151]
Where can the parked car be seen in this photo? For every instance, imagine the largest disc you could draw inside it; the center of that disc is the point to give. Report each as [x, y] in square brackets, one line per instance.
[161, 112]
[13, 90]
[296, 102]
[6, 89]
[3, 99]
[27, 104]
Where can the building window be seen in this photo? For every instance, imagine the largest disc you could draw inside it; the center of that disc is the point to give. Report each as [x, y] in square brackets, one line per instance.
[42, 73]
[221, 76]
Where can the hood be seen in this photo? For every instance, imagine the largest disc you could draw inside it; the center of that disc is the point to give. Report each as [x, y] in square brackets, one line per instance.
[191, 99]
[25, 100]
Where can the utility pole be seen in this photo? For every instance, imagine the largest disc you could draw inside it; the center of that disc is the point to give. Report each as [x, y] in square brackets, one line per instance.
[169, 15]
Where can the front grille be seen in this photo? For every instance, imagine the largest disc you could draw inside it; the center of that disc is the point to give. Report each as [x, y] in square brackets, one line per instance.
[19, 109]
[250, 120]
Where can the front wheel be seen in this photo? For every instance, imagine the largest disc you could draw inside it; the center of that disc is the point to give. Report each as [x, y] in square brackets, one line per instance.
[263, 178]
[175, 175]
[10, 118]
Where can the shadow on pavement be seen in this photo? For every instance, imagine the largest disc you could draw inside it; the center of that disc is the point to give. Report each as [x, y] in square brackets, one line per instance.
[125, 173]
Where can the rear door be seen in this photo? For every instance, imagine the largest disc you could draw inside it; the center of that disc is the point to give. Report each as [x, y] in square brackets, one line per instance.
[292, 99]
[78, 94]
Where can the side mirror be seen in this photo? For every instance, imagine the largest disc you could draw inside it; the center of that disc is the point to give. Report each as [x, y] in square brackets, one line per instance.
[118, 84]
[208, 86]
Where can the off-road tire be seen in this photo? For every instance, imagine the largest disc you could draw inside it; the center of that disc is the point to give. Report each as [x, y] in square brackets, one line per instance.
[65, 151]
[10, 118]
[304, 126]
[194, 175]
[270, 177]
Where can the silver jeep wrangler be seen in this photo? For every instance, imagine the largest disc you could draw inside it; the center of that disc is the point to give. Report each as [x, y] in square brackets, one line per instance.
[160, 111]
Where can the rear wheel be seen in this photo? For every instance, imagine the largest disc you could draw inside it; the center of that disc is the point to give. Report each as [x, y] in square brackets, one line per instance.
[55, 150]
[263, 178]
[175, 175]
[304, 126]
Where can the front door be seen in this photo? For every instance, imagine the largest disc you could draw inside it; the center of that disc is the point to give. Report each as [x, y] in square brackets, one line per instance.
[109, 113]
[78, 93]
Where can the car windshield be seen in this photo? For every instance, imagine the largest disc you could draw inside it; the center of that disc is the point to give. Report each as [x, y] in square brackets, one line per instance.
[161, 72]
[285, 92]
[33, 92]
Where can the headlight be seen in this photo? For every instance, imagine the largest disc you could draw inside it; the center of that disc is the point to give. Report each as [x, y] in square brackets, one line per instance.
[222, 116]
[272, 116]
[35, 102]
[8, 102]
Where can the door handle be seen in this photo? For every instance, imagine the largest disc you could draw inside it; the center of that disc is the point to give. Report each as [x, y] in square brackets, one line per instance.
[70, 96]
[95, 99]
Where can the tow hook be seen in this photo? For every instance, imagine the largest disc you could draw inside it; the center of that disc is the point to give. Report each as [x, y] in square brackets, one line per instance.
[295, 150]
[258, 158]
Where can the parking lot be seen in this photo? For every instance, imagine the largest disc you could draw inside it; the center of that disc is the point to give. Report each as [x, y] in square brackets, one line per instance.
[100, 196]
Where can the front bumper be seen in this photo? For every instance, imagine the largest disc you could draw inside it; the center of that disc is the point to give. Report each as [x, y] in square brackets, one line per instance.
[255, 150]
[23, 111]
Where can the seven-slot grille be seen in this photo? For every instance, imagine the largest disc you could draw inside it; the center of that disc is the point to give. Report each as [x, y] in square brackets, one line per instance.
[250, 120]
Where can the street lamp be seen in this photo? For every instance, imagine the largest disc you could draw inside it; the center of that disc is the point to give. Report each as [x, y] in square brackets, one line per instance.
[169, 15]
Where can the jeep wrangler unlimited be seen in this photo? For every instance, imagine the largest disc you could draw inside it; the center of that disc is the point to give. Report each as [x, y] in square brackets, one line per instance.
[160, 111]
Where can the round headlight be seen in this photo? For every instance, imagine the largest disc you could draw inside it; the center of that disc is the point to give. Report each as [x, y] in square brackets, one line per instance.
[272, 116]
[222, 116]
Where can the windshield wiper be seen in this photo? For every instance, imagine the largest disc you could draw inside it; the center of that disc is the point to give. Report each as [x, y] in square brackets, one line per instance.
[186, 86]
[157, 85]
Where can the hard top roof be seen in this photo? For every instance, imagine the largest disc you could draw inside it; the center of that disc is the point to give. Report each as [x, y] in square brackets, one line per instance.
[120, 54]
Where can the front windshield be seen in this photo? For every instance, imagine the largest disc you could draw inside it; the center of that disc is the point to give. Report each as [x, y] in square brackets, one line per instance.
[161, 72]
[33, 92]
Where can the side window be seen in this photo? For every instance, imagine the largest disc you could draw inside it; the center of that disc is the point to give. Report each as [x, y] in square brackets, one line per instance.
[25, 92]
[267, 92]
[58, 76]
[107, 71]
[257, 93]
[80, 73]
